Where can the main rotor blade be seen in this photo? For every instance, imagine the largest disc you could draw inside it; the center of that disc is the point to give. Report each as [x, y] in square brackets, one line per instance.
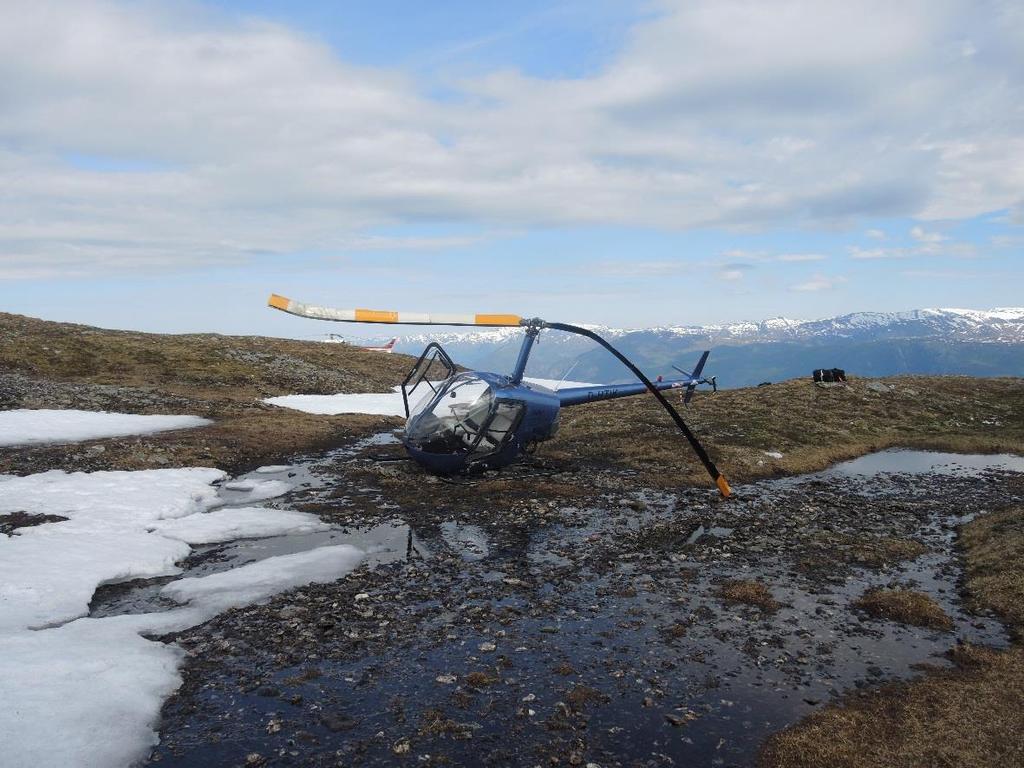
[392, 318]
[718, 477]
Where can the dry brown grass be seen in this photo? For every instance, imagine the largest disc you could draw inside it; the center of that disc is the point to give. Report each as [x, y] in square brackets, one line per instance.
[221, 377]
[195, 365]
[906, 606]
[748, 592]
[812, 427]
[970, 716]
[995, 565]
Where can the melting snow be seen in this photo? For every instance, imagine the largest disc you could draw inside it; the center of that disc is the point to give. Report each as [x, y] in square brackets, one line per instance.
[259, 580]
[239, 523]
[30, 427]
[273, 469]
[377, 404]
[89, 691]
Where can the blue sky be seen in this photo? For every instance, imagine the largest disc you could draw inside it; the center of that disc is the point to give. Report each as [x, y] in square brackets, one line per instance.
[165, 166]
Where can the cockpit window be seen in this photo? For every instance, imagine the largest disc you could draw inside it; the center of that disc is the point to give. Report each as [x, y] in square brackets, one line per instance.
[432, 369]
[462, 417]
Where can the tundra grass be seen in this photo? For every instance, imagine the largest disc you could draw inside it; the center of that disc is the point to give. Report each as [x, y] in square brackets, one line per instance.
[969, 716]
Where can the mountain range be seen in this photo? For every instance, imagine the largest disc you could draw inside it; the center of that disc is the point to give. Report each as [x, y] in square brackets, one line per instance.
[922, 341]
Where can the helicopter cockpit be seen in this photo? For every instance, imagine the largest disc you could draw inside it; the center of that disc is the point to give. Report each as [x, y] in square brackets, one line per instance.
[461, 415]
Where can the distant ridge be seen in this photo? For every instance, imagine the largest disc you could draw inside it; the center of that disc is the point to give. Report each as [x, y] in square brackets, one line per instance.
[928, 341]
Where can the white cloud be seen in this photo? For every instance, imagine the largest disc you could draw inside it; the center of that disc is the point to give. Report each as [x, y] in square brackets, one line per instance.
[242, 138]
[790, 257]
[819, 283]
[731, 275]
[875, 234]
[857, 252]
[923, 236]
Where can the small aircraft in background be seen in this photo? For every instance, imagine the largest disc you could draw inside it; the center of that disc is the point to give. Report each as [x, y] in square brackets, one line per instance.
[462, 421]
[337, 338]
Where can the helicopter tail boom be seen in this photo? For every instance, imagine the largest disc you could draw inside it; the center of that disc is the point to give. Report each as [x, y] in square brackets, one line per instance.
[578, 395]
[386, 316]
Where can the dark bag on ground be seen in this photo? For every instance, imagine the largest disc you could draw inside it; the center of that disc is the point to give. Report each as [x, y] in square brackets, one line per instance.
[829, 375]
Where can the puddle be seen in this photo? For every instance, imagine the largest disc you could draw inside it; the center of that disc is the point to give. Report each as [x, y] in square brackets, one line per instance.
[909, 462]
[383, 543]
[595, 637]
[276, 487]
[700, 532]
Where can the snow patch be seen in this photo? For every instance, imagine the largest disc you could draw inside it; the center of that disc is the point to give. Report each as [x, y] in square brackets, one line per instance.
[89, 691]
[239, 523]
[49, 572]
[379, 403]
[32, 427]
[264, 578]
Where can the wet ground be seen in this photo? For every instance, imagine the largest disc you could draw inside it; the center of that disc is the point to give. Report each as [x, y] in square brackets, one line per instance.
[513, 624]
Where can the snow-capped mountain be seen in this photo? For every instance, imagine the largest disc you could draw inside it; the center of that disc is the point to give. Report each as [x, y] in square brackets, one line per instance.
[976, 342]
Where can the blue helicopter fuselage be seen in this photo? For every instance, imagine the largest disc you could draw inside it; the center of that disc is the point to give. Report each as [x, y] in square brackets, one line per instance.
[487, 420]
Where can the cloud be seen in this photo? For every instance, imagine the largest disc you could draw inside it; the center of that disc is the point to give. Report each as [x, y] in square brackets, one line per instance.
[856, 252]
[798, 257]
[922, 236]
[875, 234]
[819, 283]
[225, 139]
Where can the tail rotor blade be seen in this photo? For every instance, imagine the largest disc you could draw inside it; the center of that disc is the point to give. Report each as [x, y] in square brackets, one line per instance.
[700, 364]
[315, 312]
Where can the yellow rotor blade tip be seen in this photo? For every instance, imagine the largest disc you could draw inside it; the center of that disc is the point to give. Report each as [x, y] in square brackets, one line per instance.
[278, 302]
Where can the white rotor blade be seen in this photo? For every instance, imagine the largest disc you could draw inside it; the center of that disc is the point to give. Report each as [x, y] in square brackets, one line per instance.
[384, 316]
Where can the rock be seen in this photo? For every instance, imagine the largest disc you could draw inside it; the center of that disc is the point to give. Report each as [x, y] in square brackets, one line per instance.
[446, 679]
[335, 723]
[877, 386]
[487, 647]
[681, 719]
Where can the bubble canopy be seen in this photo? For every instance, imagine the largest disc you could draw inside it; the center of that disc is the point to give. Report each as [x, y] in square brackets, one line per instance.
[464, 416]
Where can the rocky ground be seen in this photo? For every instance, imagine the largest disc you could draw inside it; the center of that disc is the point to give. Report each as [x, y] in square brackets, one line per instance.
[598, 605]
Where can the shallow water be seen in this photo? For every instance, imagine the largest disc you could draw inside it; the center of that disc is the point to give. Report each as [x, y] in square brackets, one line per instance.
[911, 462]
[734, 674]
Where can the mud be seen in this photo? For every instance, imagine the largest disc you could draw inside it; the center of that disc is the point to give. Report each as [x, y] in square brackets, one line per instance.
[563, 615]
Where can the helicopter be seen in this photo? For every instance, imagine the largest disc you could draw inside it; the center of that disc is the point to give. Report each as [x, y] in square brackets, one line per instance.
[459, 421]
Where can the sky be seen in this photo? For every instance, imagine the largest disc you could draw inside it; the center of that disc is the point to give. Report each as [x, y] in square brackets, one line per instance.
[165, 166]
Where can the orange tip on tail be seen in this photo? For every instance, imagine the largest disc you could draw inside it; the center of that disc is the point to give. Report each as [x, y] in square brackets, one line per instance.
[723, 486]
